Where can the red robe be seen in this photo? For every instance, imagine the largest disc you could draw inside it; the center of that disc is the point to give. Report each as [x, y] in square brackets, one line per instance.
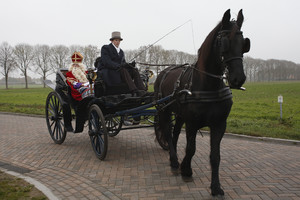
[74, 92]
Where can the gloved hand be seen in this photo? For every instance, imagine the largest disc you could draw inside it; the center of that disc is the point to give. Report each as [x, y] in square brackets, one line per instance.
[132, 63]
[123, 65]
[77, 85]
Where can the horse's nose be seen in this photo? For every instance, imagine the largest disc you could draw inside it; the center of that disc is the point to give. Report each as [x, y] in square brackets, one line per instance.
[237, 82]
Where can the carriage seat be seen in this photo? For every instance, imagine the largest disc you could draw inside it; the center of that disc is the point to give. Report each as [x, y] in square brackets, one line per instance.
[61, 79]
[63, 88]
[104, 89]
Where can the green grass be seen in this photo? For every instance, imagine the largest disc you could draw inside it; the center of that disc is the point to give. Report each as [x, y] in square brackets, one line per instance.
[255, 111]
[31, 101]
[21, 86]
[13, 188]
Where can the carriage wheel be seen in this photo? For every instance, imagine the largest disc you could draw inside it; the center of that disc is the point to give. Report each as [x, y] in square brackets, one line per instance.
[150, 119]
[114, 125]
[159, 135]
[98, 132]
[54, 118]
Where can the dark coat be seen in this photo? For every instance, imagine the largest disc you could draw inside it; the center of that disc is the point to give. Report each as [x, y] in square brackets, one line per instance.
[110, 63]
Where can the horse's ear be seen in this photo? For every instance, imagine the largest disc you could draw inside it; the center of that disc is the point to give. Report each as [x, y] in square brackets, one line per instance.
[240, 18]
[226, 18]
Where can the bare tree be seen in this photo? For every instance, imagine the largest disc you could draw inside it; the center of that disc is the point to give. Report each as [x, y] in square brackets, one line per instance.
[270, 70]
[6, 61]
[130, 54]
[60, 56]
[157, 55]
[77, 48]
[24, 56]
[90, 53]
[42, 60]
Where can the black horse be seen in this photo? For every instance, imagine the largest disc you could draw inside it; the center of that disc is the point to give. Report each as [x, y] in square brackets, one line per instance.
[210, 100]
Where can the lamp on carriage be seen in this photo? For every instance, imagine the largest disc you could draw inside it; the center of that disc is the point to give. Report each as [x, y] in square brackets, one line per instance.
[280, 101]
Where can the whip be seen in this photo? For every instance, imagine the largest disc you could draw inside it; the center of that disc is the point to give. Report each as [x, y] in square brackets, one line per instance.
[161, 39]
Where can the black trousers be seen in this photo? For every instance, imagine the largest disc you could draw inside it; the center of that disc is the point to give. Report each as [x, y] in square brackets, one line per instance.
[131, 77]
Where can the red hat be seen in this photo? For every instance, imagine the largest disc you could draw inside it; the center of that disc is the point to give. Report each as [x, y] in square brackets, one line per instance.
[77, 57]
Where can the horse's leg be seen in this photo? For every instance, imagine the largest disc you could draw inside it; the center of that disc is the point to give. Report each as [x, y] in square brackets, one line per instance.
[191, 132]
[216, 136]
[165, 124]
[177, 129]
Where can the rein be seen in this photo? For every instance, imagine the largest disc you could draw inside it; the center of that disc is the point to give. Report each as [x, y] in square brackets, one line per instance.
[221, 77]
[194, 96]
[187, 64]
[162, 65]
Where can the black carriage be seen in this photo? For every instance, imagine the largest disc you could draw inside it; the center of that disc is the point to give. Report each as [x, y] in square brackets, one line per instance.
[105, 113]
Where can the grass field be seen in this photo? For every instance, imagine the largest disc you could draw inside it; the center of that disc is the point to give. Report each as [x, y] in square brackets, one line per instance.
[13, 188]
[31, 101]
[255, 111]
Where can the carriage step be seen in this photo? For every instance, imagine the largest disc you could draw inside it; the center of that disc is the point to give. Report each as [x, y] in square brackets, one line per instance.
[69, 128]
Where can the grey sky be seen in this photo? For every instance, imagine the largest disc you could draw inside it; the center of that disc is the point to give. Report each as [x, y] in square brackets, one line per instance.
[272, 25]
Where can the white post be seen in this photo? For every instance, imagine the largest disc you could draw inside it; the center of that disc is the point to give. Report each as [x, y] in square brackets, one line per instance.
[280, 101]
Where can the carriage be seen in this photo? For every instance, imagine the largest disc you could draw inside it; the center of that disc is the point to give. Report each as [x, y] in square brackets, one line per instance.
[104, 113]
[194, 95]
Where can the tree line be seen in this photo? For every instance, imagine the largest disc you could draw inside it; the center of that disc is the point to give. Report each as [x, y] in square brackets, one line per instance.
[44, 60]
[40, 59]
[258, 70]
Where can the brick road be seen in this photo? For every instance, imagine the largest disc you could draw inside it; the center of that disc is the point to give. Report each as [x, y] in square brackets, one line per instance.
[137, 168]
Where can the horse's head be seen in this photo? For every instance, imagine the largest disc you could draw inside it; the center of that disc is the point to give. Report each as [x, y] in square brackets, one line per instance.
[231, 45]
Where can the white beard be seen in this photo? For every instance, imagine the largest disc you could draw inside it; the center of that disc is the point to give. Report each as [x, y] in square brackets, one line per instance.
[78, 71]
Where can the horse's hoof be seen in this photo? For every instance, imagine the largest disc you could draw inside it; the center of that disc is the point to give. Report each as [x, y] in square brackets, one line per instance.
[187, 178]
[174, 165]
[218, 197]
[175, 171]
[217, 191]
[186, 172]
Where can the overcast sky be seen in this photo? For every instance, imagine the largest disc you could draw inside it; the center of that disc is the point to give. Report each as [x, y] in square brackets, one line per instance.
[272, 25]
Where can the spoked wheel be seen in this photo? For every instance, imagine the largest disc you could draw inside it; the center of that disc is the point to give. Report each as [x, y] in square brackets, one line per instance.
[150, 119]
[98, 132]
[54, 118]
[159, 134]
[114, 125]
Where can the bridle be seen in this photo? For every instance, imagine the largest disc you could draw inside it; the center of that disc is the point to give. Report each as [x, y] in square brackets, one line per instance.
[223, 43]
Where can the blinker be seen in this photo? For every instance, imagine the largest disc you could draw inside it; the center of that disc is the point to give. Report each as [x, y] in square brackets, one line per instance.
[246, 47]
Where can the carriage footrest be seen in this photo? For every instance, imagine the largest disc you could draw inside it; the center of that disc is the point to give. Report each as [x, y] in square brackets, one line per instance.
[124, 101]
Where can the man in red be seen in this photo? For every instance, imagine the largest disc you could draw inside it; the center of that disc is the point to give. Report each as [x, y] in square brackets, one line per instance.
[76, 78]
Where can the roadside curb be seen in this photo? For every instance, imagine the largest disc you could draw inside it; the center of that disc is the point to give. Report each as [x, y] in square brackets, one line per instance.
[45, 190]
[265, 139]
[22, 114]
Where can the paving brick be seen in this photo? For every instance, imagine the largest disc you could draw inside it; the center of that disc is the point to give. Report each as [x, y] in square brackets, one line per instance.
[137, 168]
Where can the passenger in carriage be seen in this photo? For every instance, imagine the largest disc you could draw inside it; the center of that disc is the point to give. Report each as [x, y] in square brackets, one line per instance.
[115, 70]
[77, 80]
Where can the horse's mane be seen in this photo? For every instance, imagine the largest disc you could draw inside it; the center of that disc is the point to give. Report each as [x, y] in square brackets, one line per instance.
[205, 50]
[206, 47]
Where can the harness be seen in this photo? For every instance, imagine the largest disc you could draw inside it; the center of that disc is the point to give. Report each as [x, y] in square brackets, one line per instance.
[223, 43]
[195, 96]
